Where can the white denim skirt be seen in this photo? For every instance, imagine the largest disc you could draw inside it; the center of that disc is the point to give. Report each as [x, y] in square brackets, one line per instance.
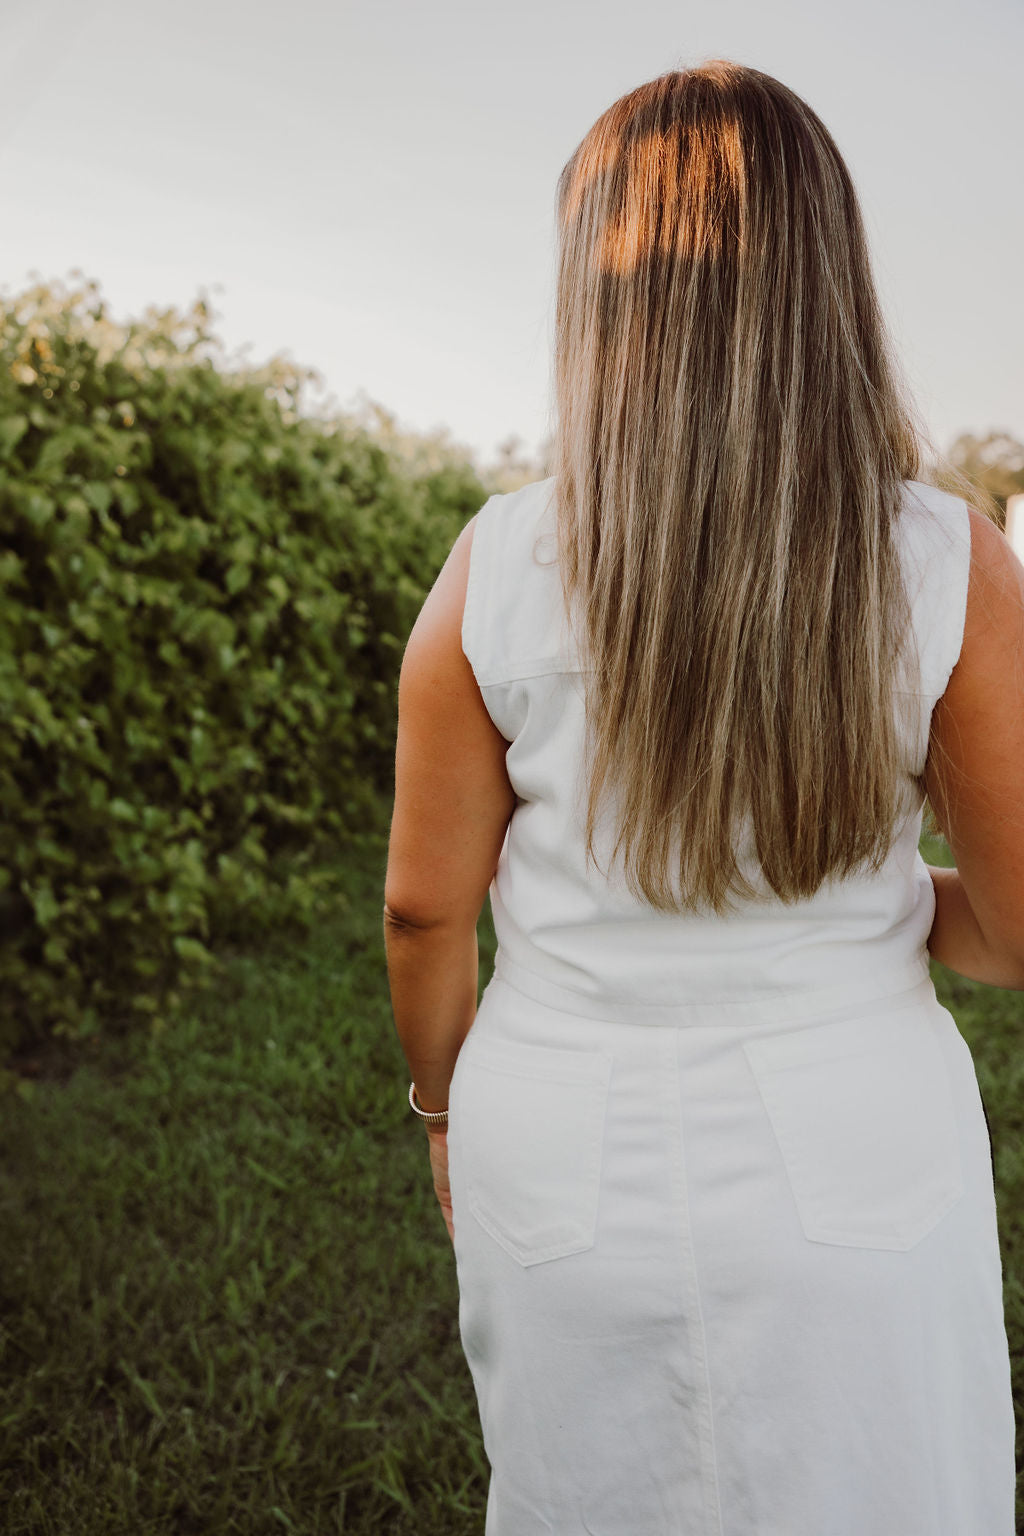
[733, 1271]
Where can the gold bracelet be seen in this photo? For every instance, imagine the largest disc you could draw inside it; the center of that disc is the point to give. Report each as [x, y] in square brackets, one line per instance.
[429, 1117]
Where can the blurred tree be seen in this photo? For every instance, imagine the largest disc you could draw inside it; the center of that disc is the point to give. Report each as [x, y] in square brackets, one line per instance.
[436, 454]
[515, 464]
[995, 462]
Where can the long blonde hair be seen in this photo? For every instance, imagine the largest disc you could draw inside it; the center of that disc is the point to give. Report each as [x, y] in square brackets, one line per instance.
[729, 447]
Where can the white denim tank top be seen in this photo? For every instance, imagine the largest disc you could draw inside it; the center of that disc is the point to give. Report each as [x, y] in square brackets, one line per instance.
[569, 929]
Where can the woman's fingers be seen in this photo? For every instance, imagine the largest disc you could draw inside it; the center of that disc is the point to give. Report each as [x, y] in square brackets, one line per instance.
[439, 1168]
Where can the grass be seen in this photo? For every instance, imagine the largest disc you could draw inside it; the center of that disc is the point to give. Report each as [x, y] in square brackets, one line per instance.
[227, 1300]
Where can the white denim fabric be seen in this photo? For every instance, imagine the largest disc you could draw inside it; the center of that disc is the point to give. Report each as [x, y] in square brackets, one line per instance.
[725, 1230]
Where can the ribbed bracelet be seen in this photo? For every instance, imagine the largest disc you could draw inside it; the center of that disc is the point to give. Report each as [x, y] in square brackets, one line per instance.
[429, 1117]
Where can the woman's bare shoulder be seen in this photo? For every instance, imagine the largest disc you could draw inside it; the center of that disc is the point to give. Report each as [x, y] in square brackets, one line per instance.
[996, 590]
[440, 619]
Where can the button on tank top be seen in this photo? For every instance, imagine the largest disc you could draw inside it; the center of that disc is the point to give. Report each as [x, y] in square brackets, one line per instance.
[564, 924]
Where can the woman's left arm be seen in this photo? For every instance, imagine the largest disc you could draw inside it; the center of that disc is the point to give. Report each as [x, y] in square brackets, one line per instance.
[453, 802]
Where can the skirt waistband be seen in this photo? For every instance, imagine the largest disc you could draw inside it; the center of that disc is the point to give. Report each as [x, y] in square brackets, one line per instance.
[767, 1008]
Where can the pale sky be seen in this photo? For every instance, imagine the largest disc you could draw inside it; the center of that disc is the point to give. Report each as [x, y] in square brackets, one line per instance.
[369, 188]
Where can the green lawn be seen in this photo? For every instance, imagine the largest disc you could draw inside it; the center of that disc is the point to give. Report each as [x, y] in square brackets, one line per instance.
[227, 1302]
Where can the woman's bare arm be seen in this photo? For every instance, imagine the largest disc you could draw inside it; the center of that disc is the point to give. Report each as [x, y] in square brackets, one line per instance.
[453, 801]
[974, 775]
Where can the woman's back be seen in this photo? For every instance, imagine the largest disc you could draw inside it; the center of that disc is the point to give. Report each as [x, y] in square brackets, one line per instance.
[561, 919]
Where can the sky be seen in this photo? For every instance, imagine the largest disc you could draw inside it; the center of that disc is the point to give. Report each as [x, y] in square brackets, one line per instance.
[369, 188]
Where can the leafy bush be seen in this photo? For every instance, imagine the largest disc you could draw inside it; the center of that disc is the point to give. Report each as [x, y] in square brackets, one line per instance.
[205, 595]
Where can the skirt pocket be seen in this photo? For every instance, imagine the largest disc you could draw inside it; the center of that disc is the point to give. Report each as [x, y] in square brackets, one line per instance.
[863, 1114]
[531, 1126]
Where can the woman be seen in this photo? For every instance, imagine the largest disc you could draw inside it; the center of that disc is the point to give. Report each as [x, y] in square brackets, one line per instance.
[720, 1181]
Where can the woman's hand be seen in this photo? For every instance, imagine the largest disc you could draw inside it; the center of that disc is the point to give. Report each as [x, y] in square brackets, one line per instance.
[439, 1168]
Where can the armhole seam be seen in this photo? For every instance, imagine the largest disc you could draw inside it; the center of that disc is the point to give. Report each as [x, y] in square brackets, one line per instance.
[963, 537]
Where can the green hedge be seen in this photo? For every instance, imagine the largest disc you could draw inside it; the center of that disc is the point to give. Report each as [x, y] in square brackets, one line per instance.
[205, 594]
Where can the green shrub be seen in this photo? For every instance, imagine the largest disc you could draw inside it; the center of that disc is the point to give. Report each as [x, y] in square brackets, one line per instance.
[205, 595]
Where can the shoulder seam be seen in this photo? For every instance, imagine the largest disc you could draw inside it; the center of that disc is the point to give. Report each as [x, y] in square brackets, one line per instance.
[553, 667]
